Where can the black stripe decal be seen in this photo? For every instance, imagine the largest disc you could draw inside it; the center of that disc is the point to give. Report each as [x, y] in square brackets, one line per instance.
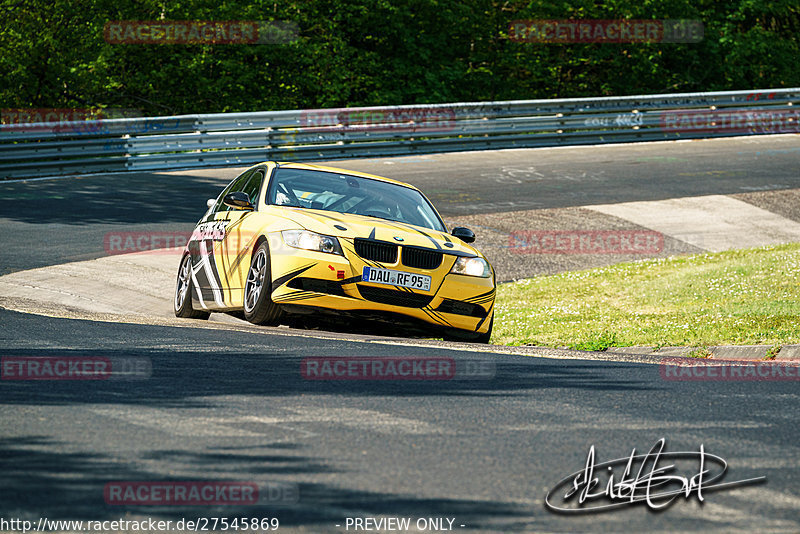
[483, 296]
[299, 297]
[328, 217]
[408, 228]
[482, 320]
[278, 282]
[212, 262]
[294, 294]
[235, 263]
[435, 318]
[368, 262]
[440, 316]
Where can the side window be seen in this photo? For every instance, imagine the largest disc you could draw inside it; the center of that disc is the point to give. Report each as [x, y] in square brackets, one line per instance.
[236, 185]
[253, 186]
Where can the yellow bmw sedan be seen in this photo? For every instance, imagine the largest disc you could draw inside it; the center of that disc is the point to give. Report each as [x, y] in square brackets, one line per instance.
[286, 238]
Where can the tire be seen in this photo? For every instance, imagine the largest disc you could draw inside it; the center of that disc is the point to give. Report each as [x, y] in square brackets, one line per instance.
[258, 305]
[182, 302]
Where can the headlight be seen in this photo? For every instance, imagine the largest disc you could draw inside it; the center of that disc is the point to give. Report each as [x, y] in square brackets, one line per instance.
[311, 241]
[471, 267]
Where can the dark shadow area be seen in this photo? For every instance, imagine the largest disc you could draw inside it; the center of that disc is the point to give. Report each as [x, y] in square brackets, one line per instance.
[135, 198]
[271, 366]
[180, 377]
[40, 482]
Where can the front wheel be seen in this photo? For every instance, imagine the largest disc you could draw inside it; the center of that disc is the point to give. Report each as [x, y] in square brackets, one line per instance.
[182, 303]
[258, 305]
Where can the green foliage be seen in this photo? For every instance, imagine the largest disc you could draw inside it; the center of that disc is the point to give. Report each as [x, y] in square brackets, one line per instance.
[380, 52]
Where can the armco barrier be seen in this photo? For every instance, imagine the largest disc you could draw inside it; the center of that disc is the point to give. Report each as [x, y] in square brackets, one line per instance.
[167, 143]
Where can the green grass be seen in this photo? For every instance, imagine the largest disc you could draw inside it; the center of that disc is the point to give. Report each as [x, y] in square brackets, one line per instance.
[772, 352]
[738, 297]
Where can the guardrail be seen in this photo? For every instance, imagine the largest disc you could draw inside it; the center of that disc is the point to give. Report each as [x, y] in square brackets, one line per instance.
[186, 141]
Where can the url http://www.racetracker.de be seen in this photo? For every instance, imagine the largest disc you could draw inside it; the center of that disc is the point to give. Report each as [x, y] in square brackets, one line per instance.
[198, 524]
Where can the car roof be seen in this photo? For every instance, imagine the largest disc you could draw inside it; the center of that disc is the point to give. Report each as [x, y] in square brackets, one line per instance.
[311, 167]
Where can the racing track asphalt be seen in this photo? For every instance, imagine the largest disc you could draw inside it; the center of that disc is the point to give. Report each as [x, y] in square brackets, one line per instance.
[227, 404]
[48, 222]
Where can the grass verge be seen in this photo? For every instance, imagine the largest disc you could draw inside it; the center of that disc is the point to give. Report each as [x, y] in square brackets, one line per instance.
[748, 296]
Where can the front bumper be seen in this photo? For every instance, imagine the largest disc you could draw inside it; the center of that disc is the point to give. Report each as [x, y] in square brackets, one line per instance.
[329, 281]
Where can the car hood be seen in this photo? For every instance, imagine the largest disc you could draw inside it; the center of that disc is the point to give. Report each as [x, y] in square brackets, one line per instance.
[326, 222]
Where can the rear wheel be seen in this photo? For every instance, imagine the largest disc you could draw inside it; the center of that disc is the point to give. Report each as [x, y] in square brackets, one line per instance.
[258, 305]
[182, 303]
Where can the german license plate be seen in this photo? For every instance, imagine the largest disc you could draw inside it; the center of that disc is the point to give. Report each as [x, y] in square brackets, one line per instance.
[396, 278]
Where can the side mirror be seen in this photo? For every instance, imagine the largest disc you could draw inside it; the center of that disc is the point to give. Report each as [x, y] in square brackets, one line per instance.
[210, 202]
[238, 200]
[464, 234]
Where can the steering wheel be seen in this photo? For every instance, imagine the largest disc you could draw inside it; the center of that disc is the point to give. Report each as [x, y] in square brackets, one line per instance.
[290, 194]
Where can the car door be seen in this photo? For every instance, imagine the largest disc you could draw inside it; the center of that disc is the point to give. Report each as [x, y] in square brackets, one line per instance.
[208, 247]
[233, 258]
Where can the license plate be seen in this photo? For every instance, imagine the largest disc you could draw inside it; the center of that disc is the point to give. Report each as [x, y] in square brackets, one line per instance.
[396, 278]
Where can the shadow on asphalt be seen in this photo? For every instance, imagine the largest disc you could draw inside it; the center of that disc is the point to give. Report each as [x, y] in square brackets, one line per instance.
[60, 485]
[136, 198]
[181, 379]
[45, 476]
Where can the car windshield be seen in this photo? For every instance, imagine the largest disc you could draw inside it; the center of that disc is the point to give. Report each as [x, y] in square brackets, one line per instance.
[344, 193]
